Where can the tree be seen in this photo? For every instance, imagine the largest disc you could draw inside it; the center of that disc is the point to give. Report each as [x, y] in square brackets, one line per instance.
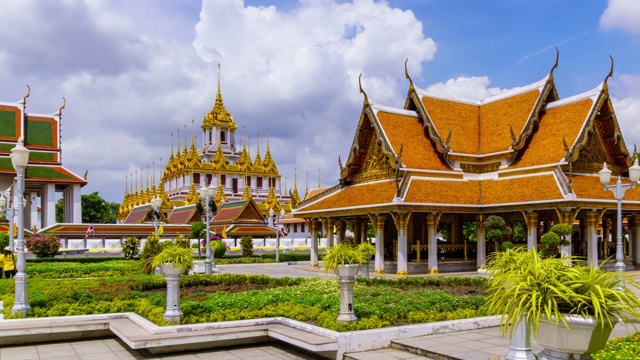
[495, 229]
[95, 209]
[555, 238]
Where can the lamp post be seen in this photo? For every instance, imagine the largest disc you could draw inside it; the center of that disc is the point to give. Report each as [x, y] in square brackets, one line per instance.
[19, 159]
[618, 191]
[156, 202]
[9, 213]
[207, 193]
[277, 227]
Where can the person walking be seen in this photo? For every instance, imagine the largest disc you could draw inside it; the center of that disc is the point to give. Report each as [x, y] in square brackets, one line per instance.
[8, 262]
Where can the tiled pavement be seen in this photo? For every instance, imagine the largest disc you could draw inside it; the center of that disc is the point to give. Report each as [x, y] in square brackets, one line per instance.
[114, 349]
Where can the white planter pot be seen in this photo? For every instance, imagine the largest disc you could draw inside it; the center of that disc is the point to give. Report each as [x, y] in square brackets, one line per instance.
[583, 338]
[346, 279]
[172, 277]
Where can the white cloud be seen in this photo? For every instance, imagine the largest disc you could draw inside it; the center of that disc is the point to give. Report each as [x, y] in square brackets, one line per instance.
[133, 72]
[467, 88]
[623, 15]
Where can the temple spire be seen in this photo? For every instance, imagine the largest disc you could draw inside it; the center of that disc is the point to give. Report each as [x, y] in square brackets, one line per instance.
[306, 188]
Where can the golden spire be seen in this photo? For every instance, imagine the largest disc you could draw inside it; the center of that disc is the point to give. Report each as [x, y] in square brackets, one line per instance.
[193, 135]
[219, 116]
[268, 163]
[171, 157]
[219, 160]
[220, 195]
[306, 188]
[154, 191]
[185, 139]
[272, 201]
[178, 153]
[295, 198]
[192, 196]
[258, 161]
[246, 194]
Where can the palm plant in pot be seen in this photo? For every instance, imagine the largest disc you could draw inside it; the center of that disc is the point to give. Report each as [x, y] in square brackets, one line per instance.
[174, 261]
[345, 260]
[571, 308]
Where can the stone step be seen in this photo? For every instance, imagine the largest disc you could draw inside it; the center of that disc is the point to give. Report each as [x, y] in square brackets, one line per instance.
[386, 354]
[422, 351]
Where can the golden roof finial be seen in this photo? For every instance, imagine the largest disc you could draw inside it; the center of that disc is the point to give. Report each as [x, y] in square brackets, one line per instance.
[219, 116]
[258, 161]
[185, 138]
[178, 153]
[268, 163]
[406, 75]
[306, 189]
[295, 198]
[171, 147]
[366, 98]
[193, 134]
[605, 86]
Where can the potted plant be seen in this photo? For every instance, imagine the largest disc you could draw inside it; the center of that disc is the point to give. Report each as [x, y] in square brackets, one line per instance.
[571, 308]
[174, 261]
[554, 239]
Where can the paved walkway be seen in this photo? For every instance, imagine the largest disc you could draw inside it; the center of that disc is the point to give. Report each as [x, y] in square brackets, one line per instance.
[478, 344]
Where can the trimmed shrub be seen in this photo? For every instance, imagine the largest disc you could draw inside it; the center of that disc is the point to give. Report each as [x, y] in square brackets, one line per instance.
[131, 247]
[246, 244]
[149, 251]
[219, 248]
[42, 246]
[183, 241]
[4, 240]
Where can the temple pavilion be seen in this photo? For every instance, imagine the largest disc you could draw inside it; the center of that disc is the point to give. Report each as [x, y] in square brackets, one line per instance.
[220, 162]
[45, 174]
[439, 164]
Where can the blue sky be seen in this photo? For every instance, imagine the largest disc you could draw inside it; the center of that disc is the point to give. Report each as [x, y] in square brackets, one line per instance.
[133, 72]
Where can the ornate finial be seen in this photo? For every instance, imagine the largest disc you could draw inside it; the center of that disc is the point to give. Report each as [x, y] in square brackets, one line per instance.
[131, 182]
[126, 183]
[86, 174]
[218, 76]
[141, 179]
[366, 98]
[406, 75]
[178, 151]
[185, 138]
[153, 176]
[610, 74]
[513, 135]
[171, 145]
[193, 133]
[555, 66]
[136, 180]
[24, 99]
[306, 189]
[64, 104]
[147, 176]
[567, 150]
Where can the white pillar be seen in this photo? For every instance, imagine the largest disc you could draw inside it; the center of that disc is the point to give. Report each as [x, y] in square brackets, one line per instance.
[481, 248]
[592, 238]
[313, 227]
[401, 221]
[77, 205]
[432, 240]
[531, 220]
[378, 224]
[48, 205]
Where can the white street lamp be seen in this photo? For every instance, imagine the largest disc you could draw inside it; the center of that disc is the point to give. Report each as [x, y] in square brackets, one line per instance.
[618, 191]
[206, 193]
[156, 202]
[277, 228]
[19, 159]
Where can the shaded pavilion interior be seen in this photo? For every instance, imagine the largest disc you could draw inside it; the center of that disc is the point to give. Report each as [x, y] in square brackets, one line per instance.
[444, 163]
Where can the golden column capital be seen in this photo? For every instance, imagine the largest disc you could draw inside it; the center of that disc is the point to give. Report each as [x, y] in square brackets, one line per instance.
[401, 220]
[480, 219]
[567, 217]
[433, 220]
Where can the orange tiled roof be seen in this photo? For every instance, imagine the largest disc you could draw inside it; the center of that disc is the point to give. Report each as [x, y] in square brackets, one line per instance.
[520, 189]
[483, 192]
[314, 192]
[589, 187]
[356, 196]
[481, 129]
[461, 118]
[496, 118]
[546, 146]
[432, 191]
[417, 150]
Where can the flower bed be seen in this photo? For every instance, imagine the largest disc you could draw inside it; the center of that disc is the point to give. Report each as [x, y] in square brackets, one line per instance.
[206, 298]
[627, 347]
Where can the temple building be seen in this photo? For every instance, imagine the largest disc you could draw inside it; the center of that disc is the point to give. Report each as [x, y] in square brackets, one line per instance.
[432, 168]
[220, 162]
[45, 174]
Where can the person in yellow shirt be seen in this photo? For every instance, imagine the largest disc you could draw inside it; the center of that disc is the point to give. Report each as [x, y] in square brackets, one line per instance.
[8, 263]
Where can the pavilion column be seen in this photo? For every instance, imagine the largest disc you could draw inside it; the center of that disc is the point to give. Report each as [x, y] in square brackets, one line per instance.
[432, 240]
[357, 231]
[313, 227]
[48, 205]
[455, 231]
[591, 221]
[634, 238]
[401, 220]
[567, 216]
[328, 225]
[531, 220]
[340, 227]
[363, 232]
[605, 237]
[378, 224]
[481, 250]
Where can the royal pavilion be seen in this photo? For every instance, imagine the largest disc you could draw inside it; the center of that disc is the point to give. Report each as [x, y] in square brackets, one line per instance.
[440, 164]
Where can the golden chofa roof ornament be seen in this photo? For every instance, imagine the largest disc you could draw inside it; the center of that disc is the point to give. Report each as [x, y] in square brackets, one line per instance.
[219, 116]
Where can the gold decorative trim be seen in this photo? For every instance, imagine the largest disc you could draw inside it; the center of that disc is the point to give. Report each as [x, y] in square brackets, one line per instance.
[433, 271]
[378, 271]
[315, 266]
[402, 273]
[480, 168]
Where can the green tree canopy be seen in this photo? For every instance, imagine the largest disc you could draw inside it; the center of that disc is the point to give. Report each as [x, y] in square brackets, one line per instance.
[95, 209]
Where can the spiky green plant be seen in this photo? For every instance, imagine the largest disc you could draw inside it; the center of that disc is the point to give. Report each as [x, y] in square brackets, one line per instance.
[344, 254]
[176, 256]
[524, 284]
